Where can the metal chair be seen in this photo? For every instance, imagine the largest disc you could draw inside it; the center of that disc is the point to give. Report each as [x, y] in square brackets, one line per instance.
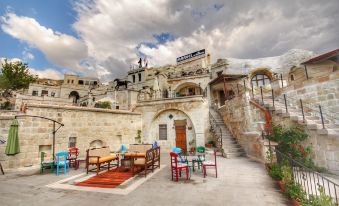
[61, 161]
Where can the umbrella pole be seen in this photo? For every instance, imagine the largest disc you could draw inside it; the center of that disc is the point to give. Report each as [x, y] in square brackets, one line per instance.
[54, 140]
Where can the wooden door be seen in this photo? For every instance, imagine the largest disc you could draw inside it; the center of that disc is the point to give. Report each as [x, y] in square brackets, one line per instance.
[180, 132]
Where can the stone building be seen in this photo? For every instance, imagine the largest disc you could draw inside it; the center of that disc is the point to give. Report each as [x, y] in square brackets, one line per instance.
[174, 105]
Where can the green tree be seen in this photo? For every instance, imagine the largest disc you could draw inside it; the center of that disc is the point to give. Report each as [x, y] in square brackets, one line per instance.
[14, 76]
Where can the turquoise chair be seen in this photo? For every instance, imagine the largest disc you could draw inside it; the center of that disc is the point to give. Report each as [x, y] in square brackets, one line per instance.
[123, 148]
[61, 161]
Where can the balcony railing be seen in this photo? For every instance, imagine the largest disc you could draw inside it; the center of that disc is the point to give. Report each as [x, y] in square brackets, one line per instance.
[165, 95]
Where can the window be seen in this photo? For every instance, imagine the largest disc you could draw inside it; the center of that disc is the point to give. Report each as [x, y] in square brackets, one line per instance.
[68, 81]
[133, 78]
[95, 83]
[72, 142]
[35, 93]
[219, 73]
[139, 75]
[72, 81]
[292, 77]
[162, 131]
[53, 94]
[44, 93]
[260, 80]
[81, 82]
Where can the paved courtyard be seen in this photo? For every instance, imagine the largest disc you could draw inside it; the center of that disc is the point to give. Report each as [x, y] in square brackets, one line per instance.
[241, 181]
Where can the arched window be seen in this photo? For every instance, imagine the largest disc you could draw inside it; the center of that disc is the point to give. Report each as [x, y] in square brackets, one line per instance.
[260, 80]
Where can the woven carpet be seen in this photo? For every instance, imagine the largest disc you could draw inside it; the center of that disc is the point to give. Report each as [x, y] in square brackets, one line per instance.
[109, 179]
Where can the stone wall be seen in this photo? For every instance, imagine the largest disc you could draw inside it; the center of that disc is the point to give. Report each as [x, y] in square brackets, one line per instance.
[90, 127]
[325, 152]
[194, 109]
[242, 119]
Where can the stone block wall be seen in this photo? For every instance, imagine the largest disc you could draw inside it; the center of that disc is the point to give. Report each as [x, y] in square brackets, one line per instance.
[242, 119]
[90, 127]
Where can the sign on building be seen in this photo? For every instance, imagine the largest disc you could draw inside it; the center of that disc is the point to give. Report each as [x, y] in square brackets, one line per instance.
[191, 55]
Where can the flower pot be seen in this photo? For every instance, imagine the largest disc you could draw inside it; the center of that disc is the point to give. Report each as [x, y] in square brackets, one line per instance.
[209, 145]
[268, 167]
[282, 186]
[295, 202]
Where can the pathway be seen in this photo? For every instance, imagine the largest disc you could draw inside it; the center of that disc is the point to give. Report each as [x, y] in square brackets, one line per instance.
[240, 182]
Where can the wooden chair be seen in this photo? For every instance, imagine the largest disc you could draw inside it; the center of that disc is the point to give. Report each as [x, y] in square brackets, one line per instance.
[177, 167]
[156, 158]
[2, 170]
[45, 164]
[73, 154]
[61, 161]
[145, 163]
[208, 164]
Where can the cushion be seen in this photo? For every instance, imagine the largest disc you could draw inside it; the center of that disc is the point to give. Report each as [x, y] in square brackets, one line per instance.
[93, 160]
[139, 161]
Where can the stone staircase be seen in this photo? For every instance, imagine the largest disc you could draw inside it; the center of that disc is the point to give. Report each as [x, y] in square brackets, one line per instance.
[312, 117]
[228, 143]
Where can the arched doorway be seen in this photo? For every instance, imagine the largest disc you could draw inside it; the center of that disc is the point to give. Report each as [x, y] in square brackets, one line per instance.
[173, 128]
[188, 89]
[75, 96]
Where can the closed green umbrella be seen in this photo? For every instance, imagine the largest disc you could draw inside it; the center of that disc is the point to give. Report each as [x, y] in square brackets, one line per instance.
[13, 147]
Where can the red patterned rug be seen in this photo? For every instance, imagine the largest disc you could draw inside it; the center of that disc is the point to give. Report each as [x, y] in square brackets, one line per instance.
[110, 179]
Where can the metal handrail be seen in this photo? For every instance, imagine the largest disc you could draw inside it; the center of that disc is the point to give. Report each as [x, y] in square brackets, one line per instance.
[309, 179]
[214, 126]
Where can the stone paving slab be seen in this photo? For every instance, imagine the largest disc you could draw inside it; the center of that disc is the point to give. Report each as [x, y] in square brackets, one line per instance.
[240, 182]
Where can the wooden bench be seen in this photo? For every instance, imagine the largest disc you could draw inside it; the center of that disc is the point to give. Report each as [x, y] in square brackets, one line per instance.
[100, 157]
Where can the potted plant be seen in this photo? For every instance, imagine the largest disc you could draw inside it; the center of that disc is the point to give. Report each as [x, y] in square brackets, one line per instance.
[296, 193]
[286, 179]
[323, 199]
[275, 172]
[210, 144]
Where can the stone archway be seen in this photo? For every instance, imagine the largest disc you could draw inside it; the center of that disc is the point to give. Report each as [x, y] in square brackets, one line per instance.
[165, 128]
[75, 96]
[96, 144]
[188, 89]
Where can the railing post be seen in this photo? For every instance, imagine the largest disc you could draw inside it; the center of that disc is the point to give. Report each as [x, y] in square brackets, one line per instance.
[282, 82]
[262, 97]
[273, 97]
[244, 86]
[285, 103]
[252, 89]
[302, 110]
[322, 118]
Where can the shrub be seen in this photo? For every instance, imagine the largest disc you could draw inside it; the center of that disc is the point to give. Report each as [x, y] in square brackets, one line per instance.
[275, 172]
[103, 105]
[296, 191]
[321, 200]
[286, 173]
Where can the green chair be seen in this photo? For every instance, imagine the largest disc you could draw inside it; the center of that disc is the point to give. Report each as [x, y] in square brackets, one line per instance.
[200, 157]
[45, 164]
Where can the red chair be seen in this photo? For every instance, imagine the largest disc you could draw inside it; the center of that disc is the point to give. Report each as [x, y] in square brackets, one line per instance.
[177, 167]
[208, 164]
[73, 154]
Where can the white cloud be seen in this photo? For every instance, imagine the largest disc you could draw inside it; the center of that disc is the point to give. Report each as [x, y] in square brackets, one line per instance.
[113, 33]
[47, 73]
[61, 49]
[27, 55]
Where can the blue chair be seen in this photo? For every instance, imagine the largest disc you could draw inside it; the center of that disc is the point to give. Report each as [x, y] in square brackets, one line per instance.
[180, 158]
[61, 161]
[123, 148]
[177, 150]
[155, 145]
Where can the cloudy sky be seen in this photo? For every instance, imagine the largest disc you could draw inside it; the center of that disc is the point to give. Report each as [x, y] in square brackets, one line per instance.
[104, 37]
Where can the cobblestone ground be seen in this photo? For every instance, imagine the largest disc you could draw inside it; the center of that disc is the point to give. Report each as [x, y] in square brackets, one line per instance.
[240, 182]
